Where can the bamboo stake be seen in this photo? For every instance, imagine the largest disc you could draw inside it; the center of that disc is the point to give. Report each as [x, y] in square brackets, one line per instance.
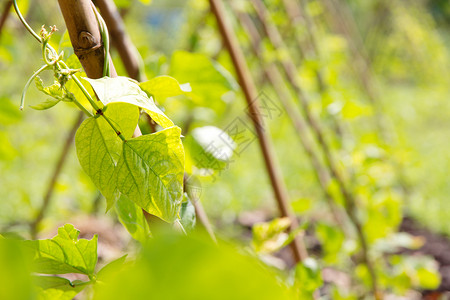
[250, 93]
[290, 72]
[85, 36]
[275, 78]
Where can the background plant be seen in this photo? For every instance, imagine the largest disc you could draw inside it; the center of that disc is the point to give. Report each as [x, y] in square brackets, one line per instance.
[352, 83]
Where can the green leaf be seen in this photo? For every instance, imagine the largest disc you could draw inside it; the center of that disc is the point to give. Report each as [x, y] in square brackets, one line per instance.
[271, 236]
[150, 172]
[201, 269]
[428, 279]
[112, 267]
[331, 239]
[352, 110]
[132, 218]
[1, 237]
[124, 89]
[65, 253]
[49, 103]
[58, 288]
[163, 87]
[187, 214]
[55, 91]
[308, 277]
[208, 79]
[210, 147]
[99, 147]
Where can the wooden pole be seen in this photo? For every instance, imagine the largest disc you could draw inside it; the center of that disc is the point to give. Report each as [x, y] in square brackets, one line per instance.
[84, 33]
[250, 93]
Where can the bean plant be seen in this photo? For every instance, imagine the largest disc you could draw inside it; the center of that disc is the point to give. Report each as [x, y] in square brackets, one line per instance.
[150, 169]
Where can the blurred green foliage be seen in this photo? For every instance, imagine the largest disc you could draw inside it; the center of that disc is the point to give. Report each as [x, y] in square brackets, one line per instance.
[407, 49]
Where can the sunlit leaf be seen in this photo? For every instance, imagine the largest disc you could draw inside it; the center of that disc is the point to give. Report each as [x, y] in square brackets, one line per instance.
[99, 147]
[132, 218]
[124, 89]
[55, 91]
[208, 79]
[58, 288]
[49, 103]
[65, 253]
[150, 172]
[271, 236]
[163, 87]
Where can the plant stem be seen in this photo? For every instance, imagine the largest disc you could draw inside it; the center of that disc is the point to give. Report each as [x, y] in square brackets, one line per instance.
[105, 38]
[246, 82]
[96, 107]
[59, 165]
[28, 27]
[40, 70]
[121, 40]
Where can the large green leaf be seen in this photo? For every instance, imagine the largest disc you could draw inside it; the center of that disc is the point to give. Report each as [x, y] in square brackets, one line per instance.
[150, 172]
[163, 87]
[208, 79]
[65, 253]
[132, 218]
[99, 147]
[201, 270]
[124, 89]
[57, 288]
